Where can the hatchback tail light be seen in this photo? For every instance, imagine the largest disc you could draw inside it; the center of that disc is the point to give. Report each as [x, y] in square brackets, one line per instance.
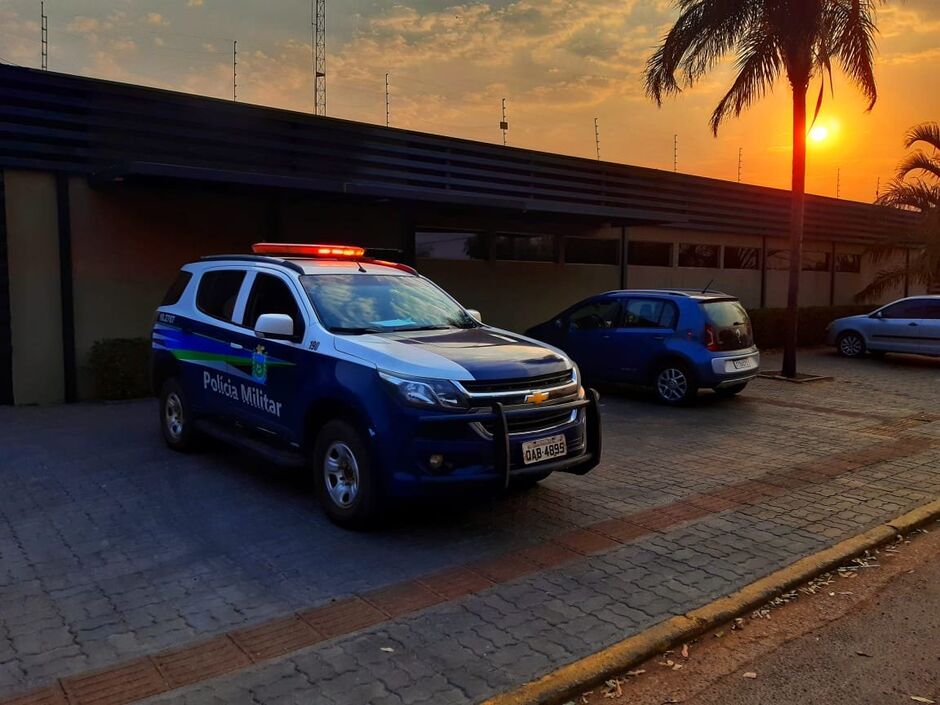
[710, 339]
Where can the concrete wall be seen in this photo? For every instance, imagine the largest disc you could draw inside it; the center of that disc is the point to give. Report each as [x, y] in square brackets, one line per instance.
[35, 303]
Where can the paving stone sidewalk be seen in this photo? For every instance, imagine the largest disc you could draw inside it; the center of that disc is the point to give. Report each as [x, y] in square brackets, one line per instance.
[113, 548]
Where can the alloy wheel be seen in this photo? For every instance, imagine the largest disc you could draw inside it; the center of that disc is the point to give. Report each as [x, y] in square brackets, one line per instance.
[173, 416]
[851, 345]
[672, 384]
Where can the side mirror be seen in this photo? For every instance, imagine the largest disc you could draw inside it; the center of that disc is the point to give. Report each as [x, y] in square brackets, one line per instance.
[475, 315]
[275, 325]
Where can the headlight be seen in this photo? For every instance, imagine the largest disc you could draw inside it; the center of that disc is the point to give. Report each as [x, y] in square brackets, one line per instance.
[432, 393]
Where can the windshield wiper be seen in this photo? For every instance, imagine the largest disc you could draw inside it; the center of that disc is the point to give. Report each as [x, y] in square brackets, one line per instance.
[410, 328]
[354, 331]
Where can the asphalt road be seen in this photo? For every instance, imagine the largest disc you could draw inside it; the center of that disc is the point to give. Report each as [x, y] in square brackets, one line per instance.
[897, 632]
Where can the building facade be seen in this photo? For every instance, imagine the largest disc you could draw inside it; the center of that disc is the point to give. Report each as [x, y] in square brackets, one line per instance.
[106, 189]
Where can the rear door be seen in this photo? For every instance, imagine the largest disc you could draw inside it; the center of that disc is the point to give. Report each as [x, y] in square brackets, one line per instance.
[929, 326]
[641, 337]
[897, 328]
[587, 338]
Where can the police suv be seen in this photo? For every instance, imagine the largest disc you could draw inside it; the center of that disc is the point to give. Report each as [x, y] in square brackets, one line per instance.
[366, 373]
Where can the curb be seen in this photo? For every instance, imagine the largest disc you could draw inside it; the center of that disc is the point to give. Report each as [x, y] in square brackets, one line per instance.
[570, 681]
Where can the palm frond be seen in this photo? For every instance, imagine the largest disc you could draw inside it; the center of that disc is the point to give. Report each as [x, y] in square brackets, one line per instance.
[911, 195]
[927, 132]
[886, 280]
[919, 161]
[854, 43]
[758, 65]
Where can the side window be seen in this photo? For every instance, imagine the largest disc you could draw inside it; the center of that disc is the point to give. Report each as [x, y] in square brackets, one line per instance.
[269, 294]
[649, 313]
[218, 292]
[932, 310]
[595, 315]
[902, 309]
[176, 289]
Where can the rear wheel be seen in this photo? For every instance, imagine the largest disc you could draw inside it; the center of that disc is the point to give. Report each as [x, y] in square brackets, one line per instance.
[674, 384]
[851, 344]
[176, 418]
[345, 476]
[731, 390]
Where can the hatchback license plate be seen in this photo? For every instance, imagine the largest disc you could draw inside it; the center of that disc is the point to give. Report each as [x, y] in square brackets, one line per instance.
[544, 449]
[745, 364]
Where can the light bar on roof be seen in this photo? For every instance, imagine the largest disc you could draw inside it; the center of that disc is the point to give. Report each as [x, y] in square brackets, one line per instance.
[303, 250]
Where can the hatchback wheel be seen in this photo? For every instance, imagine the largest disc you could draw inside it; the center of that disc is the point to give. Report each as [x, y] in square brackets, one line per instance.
[176, 418]
[674, 384]
[851, 344]
[345, 477]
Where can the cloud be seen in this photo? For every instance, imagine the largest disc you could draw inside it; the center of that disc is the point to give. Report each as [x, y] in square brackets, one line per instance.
[156, 19]
[194, 3]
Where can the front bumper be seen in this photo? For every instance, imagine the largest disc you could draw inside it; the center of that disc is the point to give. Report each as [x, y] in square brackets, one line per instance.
[497, 459]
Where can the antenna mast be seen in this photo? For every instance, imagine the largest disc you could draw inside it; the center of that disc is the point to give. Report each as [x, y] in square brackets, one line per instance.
[318, 26]
[597, 140]
[386, 101]
[675, 152]
[740, 157]
[504, 124]
[44, 35]
[235, 69]
[838, 182]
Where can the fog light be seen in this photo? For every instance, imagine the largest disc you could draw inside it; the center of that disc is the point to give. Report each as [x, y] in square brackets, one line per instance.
[436, 461]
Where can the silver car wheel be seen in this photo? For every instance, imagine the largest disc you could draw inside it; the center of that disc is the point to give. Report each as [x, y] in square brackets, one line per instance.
[341, 474]
[672, 384]
[851, 345]
[173, 416]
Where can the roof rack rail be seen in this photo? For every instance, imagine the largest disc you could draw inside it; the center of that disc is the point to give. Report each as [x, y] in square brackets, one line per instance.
[254, 258]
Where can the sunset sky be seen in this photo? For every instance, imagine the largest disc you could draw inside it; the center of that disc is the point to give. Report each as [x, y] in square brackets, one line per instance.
[559, 63]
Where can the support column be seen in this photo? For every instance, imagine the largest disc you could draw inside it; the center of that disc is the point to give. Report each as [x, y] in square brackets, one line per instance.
[6, 330]
[66, 290]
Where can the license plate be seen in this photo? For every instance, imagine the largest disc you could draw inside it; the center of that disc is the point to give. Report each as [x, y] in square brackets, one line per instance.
[544, 449]
[745, 364]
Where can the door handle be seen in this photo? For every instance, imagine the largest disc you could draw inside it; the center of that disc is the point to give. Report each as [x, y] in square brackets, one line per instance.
[236, 346]
[912, 324]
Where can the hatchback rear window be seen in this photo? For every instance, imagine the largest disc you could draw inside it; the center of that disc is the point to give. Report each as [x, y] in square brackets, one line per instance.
[730, 325]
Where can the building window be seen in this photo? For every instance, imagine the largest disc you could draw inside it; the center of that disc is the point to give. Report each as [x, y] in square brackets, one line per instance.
[778, 259]
[649, 254]
[525, 248]
[742, 257]
[851, 264]
[815, 261]
[450, 245]
[691, 255]
[589, 250]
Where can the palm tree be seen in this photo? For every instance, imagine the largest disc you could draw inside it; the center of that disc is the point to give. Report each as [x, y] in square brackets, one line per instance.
[915, 188]
[799, 38]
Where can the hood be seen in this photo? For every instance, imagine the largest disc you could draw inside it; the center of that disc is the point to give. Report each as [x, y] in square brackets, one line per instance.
[462, 354]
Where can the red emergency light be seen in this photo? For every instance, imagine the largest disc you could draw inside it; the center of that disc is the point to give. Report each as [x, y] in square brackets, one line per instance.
[301, 250]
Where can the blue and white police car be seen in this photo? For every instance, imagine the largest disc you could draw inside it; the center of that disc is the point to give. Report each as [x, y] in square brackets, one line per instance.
[365, 373]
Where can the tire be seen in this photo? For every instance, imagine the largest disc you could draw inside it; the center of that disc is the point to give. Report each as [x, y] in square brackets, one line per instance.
[850, 344]
[176, 418]
[730, 391]
[674, 384]
[345, 476]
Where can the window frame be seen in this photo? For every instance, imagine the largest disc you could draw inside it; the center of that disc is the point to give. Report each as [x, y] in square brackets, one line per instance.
[566, 325]
[718, 255]
[757, 264]
[625, 301]
[636, 243]
[292, 289]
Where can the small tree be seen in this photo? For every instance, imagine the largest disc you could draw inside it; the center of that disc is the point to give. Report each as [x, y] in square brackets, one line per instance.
[799, 38]
[915, 188]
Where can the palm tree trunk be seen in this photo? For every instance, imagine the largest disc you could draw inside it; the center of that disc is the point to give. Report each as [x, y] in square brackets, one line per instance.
[797, 207]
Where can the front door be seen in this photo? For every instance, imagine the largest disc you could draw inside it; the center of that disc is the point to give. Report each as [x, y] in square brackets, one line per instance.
[897, 328]
[270, 370]
[587, 338]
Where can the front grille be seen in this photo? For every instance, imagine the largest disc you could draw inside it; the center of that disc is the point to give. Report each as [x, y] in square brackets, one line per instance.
[532, 422]
[515, 385]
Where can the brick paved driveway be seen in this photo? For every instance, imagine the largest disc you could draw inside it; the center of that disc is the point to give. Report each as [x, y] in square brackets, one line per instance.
[113, 550]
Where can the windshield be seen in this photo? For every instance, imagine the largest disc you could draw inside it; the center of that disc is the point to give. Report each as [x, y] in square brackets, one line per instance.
[375, 303]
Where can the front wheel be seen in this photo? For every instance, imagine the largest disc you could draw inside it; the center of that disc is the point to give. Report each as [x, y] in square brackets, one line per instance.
[345, 476]
[674, 384]
[851, 344]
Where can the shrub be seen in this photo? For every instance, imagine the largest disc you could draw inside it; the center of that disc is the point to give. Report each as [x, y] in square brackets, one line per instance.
[770, 323]
[121, 368]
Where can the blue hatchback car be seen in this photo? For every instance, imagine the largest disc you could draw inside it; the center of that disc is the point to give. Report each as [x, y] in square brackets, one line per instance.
[675, 341]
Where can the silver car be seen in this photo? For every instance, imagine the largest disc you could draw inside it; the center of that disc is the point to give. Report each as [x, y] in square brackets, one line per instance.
[910, 325]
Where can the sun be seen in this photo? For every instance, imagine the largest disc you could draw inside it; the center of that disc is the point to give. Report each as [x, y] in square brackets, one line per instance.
[818, 133]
